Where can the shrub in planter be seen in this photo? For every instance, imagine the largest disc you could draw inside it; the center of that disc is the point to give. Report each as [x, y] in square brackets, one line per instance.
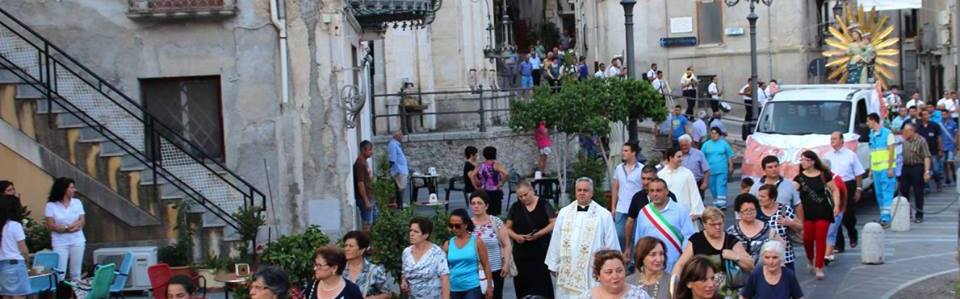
[594, 169]
[294, 253]
[38, 235]
[389, 236]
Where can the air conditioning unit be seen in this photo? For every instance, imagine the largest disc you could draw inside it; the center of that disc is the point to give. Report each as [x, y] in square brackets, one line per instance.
[143, 257]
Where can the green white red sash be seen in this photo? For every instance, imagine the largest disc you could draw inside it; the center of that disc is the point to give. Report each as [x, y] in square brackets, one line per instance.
[671, 233]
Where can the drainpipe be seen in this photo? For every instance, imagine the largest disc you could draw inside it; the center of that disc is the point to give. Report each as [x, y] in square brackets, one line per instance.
[280, 21]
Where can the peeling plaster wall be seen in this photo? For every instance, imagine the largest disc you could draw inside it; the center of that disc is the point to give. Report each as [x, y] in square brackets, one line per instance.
[307, 148]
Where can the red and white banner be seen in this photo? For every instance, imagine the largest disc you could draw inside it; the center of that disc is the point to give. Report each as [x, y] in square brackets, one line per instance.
[787, 149]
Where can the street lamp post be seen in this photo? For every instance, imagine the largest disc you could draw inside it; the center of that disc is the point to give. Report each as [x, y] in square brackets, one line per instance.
[628, 62]
[752, 18]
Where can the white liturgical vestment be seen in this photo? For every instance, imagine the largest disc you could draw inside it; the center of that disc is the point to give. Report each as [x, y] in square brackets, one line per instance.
[577, 235]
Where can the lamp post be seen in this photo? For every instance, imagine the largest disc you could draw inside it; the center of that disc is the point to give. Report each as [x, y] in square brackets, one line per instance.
[628, 62]
[752, 18]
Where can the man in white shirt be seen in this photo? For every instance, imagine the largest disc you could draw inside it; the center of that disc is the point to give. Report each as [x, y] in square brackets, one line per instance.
[846, 164]
[914, 100]
[893, 99]
[601, 71]
[614, 70]
[715, 93]
[626, 183]
[761, 93]
[537, 64]
[746, 92]
[949, 101]
[663, 87]
[688, 84]
[582, 228]
[652, 73]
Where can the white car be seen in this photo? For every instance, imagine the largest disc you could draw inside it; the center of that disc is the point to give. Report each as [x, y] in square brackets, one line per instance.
[802, 117]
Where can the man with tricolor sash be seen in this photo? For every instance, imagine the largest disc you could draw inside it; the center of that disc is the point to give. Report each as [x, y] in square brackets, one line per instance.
[665, 220]
[882, 164]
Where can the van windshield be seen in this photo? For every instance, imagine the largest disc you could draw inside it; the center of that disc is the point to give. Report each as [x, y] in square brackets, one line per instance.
[804, 117]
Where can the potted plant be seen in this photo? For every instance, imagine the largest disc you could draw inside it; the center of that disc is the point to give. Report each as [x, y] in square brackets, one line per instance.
[211, 267]
[38, 235]
[177, 255]
[388, 251]
[250, 219]
[294, 253]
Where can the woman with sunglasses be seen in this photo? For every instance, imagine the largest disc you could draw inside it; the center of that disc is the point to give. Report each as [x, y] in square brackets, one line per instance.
[819, 196]
[425, 271]
[466, 257]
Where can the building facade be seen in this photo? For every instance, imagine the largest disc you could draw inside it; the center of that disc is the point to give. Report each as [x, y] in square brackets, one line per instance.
[276, 91]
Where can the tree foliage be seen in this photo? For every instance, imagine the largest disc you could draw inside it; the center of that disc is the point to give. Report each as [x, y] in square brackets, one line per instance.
[588, 107]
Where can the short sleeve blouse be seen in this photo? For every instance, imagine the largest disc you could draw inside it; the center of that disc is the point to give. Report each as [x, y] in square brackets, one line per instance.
[425, 273]
[65, 215]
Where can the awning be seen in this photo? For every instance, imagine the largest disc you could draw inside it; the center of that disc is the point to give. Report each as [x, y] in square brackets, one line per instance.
[891, 4]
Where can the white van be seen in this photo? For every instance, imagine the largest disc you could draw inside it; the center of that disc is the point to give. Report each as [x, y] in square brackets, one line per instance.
[802, 117]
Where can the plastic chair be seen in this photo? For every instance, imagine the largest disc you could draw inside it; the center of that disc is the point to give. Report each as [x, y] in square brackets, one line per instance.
[49, 260]
[99, 287]
[456, 183]
[513, 178]
[160, 275]
[122, 274]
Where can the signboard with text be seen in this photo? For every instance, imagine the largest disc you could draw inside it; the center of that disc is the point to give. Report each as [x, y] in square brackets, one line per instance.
[687, 41]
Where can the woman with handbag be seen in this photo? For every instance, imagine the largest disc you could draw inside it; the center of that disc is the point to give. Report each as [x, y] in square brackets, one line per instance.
[529, 224]
[781, 219]
[370, 277]
[467, 257]
[492, 232]
[726, 254]
[817, 195]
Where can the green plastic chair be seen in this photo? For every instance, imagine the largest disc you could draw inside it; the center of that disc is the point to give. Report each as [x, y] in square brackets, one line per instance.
[99, 287]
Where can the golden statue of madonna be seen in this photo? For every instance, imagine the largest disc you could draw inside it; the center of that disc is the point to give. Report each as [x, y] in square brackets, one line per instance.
[862, 50]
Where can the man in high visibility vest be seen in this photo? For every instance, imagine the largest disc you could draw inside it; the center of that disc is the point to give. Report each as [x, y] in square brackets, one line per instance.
[882, 164]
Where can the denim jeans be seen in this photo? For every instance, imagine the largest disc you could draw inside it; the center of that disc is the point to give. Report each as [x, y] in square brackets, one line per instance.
[718, 189]
[470, 294]
[832, 230]
[620, 222]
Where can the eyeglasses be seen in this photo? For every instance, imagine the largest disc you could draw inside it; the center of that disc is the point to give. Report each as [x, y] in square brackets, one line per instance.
[319, 266]
[748, 211]
[258, 287]
[455, 226]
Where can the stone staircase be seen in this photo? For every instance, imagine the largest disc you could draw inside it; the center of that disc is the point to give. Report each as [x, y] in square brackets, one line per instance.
[68, 109]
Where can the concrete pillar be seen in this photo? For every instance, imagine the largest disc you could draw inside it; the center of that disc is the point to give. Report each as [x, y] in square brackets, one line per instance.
[901, 215]
[871, 242]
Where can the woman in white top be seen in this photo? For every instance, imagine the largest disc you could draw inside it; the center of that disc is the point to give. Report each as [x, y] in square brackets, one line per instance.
[65, 219]
[681, 182]
[13, 250]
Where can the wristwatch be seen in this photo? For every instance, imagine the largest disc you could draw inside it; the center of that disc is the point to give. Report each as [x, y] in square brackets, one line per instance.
[66, 227]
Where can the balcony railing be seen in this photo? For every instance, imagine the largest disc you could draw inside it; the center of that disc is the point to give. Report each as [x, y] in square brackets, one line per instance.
[181, 8]
[378, 14]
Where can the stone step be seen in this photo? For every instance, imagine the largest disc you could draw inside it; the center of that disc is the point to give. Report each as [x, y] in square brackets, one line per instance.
[8, 77]
[70, 121]
[54, 108]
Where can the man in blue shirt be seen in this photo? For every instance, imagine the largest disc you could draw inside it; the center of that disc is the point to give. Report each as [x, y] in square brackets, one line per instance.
[676, 125]
[536, 64]
[665, 220]
[949, 146]
[398, 166]
[526, 72]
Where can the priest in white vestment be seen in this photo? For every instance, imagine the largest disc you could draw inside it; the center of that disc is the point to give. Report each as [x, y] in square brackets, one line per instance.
[582, 228]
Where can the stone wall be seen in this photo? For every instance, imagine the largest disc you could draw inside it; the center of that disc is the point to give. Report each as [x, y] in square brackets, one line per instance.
[517, 151]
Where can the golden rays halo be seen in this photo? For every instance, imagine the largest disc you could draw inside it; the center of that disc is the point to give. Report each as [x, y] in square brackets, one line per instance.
[875, 52]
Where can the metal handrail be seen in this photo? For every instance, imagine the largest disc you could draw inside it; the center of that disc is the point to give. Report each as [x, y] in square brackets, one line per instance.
[156, 130]
[122, 143]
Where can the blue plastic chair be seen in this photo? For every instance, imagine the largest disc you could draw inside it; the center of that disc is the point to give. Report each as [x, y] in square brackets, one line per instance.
[122, 273]
[49, 260]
